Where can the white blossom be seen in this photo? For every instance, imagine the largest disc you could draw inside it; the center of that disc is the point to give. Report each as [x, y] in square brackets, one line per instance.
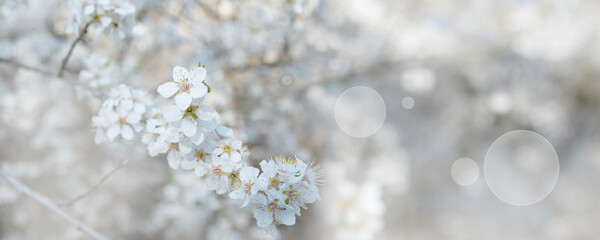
[121, 114]
[247, 188]
[217, 176]
[113, 17]
[270, 208]
[186, 85]
[98, 72]
[194, 138]
[158, 135]
[231, 149]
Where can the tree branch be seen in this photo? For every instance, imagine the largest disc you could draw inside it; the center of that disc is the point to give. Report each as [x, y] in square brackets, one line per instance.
[67, 203]
[20, 65]
[45, 72]
[53, 207]
[66, 59]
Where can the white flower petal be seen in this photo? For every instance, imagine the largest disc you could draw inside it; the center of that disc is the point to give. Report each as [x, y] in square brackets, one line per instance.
[174, 159]
[157, 147]
[172, 135]
[126, 132]
[198, 139]
[221, 187]
[89, 9]
[167, 89]
[126, 104]
[197, 75]
[246, 201]
[105, 21]
[271, 230]
[184, 149]
[235, 156]
[133, 118]
[224, 131]
[287, 217]
[113, 131]
[183, 100]
[173, 114]
[179, 73]
[263, 218]
[249, 173]
[139, 108]
[188, 127]
[200, 171]
[198, 91]
[237, 194]
[188, 164]
[124, 91]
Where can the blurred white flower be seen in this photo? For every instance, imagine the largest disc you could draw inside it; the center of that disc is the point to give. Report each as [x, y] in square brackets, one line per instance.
[114, 17]
[121, 114]
[98, 72]
[158, 135]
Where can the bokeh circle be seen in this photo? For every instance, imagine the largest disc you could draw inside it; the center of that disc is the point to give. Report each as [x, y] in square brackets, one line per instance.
[360, 111]
[408, 103]
[465, 171]
[521, 168]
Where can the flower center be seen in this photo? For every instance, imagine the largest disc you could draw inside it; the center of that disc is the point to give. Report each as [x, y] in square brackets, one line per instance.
[185, 86]
[173, 145]
[200, 156]
[271, 206]
[248, 187]
[227, 149]
[274, 183]
[217, 171]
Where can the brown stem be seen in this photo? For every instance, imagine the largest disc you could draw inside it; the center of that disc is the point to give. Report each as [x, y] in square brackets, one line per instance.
[45, 72]
[20, 65]
[121, 165]
[66, 59]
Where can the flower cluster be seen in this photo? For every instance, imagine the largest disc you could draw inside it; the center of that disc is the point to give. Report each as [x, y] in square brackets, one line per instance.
[121, 114]
[98, 73]
[113, 17]
[194, 138]
[284, 187]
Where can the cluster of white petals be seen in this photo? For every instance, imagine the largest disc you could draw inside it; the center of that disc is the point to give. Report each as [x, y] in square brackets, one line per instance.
[285, 186]
[98, 73]
[194, 138]
[121, 114]
[112, 17]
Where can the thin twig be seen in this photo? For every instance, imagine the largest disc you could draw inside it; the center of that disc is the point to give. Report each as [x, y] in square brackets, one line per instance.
[20, 65]
[67, 203]
[76, 81]
[50, 205]
[66, 59]
[379, 67]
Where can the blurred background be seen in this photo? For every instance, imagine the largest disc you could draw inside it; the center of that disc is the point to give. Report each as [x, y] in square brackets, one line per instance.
[464, 119]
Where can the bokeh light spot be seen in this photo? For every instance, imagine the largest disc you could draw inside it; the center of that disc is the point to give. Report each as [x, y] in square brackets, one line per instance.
[286, 80]
[408, 103]
[465, 171]
[521, 167]
[360, 111]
